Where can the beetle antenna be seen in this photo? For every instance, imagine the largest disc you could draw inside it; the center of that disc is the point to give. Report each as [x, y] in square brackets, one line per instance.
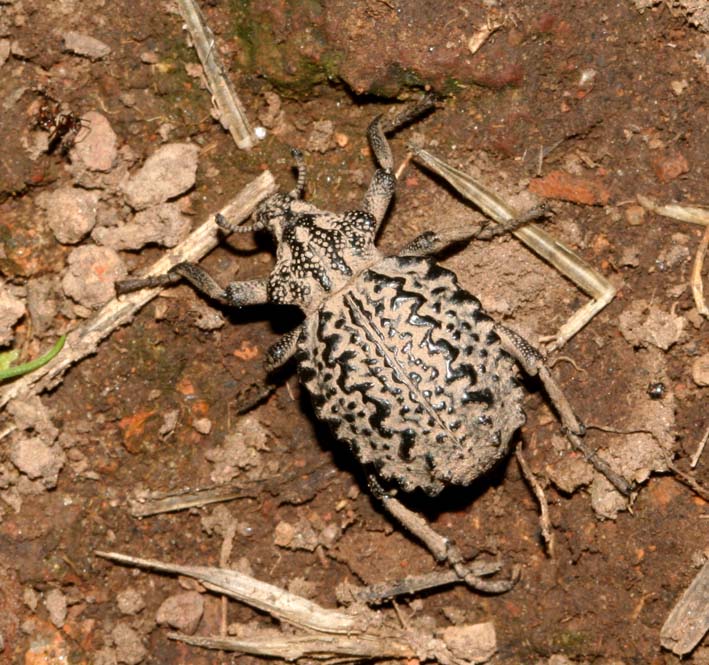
[297, 193]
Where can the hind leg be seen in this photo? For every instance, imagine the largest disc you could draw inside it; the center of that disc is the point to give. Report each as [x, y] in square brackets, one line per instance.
[442, 549]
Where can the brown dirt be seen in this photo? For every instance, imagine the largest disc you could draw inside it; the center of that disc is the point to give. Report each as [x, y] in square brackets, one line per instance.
[634, 128]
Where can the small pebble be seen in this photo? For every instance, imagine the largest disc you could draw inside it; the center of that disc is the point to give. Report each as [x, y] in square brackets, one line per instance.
[11, 311]
[92, 274]
[36, 460]
[321, 136]
[149, 57]
[96, 145]
[635, 215]
[700, 370]
[161, 225]
[89, 47]
[55, 602]
[202, 425]
[71, 213]
[129, 646]
[130, 601]
[4, 51]
[167, 173]
[182, 611]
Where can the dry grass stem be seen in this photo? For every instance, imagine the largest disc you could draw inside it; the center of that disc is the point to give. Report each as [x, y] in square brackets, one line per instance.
[356, 634]
[697, 286]
[232, 115]
[537, 239]
[700, 449]
[688, 621]
[682, 213]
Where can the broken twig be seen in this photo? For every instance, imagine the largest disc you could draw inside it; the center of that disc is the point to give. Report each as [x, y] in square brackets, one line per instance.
[689, 481]
[544, 519]
[84, 340]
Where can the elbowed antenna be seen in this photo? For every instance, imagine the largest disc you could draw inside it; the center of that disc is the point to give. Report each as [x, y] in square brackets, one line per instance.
[223, 223]
[297, 193]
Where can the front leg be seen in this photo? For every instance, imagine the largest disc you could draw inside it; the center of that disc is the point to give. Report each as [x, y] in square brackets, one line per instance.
[383, 185]
[236, 294]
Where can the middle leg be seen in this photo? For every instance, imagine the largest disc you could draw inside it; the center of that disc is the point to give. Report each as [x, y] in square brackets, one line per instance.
[532, 362]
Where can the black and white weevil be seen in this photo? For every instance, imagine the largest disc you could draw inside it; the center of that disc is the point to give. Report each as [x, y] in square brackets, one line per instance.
[403, 363]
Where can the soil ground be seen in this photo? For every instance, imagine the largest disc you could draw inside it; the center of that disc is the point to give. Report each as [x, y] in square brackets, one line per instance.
[620, 97]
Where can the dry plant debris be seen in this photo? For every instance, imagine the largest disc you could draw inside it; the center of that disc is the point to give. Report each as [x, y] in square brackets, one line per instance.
[537, 239]
[356, 634]
[688, 622]
[83, 341]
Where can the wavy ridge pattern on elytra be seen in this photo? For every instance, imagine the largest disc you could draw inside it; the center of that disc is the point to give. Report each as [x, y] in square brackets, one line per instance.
[407, 369]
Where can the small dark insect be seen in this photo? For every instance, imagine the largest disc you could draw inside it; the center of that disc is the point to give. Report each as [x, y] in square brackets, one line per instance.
[656, 390]
[63, 126]
[405, 365]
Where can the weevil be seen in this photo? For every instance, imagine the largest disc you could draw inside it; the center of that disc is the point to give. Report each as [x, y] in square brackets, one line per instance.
[403, 363]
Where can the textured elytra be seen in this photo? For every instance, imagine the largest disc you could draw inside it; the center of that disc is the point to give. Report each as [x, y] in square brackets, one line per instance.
[407, 369]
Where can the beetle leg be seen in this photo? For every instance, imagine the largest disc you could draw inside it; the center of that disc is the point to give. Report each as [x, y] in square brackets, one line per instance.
[432, 242]
[383, 185]
[236, 294]
[379, 195]
[248, 292]
[280, 352]
[532, 362]
[490, 231]
[442, 549]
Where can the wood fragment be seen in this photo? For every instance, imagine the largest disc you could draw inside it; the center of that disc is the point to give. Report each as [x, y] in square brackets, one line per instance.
[232, 115]
[480, 36]
[688, 621]
[84, 340]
